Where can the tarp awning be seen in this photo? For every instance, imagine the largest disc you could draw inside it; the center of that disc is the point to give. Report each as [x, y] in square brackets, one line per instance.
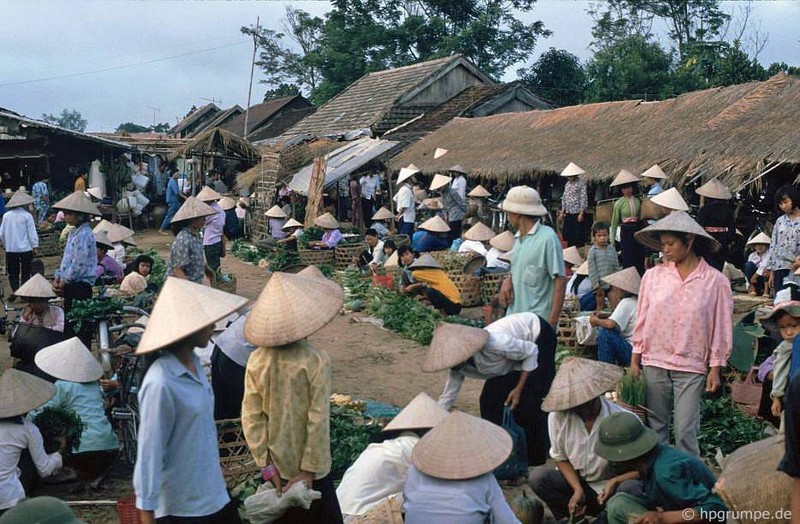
[342, 162]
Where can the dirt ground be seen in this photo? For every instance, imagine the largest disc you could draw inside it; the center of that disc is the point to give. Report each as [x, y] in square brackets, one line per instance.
[368, 363]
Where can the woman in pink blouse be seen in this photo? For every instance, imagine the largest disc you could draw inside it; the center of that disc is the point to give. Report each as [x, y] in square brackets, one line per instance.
[684, 332]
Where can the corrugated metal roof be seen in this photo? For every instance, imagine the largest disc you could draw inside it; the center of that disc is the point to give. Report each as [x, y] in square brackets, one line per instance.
[84, 136]
[342, 162]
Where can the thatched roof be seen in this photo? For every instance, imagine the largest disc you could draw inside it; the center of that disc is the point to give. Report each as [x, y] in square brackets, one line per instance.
[217, 142]
[731, 132]
[292, 158]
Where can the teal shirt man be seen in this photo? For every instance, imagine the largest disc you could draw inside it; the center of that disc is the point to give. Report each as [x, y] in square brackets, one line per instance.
[536, 261]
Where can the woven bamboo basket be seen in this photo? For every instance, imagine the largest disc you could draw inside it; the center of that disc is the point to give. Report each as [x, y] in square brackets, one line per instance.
[469, 287]
[235, 459]
[316, 257]
[566, 332]
[490, 285]
[752, 487]
[344, 254]
[452, 262]
[228, 287]
[388, 511]
[49, 244]
[400, 240]
[639, 411]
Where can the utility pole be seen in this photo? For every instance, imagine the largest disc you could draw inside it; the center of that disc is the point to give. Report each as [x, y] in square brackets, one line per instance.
[155, 109]
[250, 85]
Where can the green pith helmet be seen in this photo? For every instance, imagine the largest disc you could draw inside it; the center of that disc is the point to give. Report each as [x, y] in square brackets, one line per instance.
[623, 437]
[40, 510]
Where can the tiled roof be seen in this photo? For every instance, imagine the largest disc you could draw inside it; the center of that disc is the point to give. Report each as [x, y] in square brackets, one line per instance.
[259, 113]
[365, 102]
[196, 114]
[279, 123]
[220, 118]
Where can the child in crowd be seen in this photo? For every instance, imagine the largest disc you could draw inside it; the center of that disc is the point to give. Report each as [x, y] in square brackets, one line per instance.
[615, 332]
[135, 282]
[755, 267]
[786, 317]
[602, 262]
[784, 250]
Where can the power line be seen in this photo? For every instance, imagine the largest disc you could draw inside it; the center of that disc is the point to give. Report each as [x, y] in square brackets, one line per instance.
[125, 66]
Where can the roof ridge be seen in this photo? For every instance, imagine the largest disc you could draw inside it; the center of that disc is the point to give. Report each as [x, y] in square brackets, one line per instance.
[417, 65]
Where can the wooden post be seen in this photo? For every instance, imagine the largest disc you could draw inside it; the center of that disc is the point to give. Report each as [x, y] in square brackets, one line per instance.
[316, 187]
[388, 175]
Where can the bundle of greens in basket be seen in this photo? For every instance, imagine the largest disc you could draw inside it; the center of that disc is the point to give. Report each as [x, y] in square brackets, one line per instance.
[159, 270]
[631, 389]
[94, 309]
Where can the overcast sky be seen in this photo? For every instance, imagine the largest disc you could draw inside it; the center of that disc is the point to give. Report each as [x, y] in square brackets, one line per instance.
[115, 60]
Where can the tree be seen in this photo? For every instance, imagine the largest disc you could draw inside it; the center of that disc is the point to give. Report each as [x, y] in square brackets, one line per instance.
[68, 119]
[130, 127]
[281, 91]
[360, 36]
[631, 68]
[557, 76]
[161, 128]
[735, 66]
[782, 67]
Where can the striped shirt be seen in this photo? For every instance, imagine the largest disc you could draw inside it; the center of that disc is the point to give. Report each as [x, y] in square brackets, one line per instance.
[602, 262]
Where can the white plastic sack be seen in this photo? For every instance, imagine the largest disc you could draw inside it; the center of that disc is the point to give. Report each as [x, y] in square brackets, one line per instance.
[585, 333]
[142, 200]
[266, 506]
[140, 181]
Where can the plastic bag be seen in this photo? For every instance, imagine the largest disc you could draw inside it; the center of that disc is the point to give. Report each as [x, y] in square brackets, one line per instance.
[517, 463]
[266, 506]
[585, 333]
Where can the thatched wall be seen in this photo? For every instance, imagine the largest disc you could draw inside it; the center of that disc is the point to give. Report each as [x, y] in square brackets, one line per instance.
[732, 132]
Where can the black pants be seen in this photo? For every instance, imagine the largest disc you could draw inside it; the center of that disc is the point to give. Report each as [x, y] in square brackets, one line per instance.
[455, 229]
[323, 511]
[213, 255]
[366, 210]
[529, 414]
[441, 302]
[632, 251]
[227, 380]
[77, 291]
[227, 515]
[573, 231]
[19, 268]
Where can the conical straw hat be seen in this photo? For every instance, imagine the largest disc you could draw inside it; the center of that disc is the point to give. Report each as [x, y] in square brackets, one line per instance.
[504, 241]
[383, 214]
[21, 392]
[36, 287]
[292, 223]
[675, 222]
[583, 269]
[95, 192]
[290, 308]
[275, 212]
[439, 181]
[453, 344]
[79, 203]
[117, 233]
[654, 172]
[572, 256]
[184, 308]
[103, 225]
[572, 170]
[580, 380]
[479, 192]
[435, 224]
[312, 272]
[432, 203]
[458, 168]
[192, 208]
[439, 153]
[671, 199]
[69, 360]
[101, 237]
[624, 177]
[227, 203]
[505, 256]
[422, 412]
[392, 260]
[326, 221]
[208, 195]
[462, 447]
[761, 238]
[425, 261]
[420, 194]
[480, 232]
[627, 280]
[715, 189]
[124, 230]
[19, 199]
[406, 173]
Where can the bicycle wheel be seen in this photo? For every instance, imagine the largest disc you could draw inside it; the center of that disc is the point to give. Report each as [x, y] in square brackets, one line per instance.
[129, 442]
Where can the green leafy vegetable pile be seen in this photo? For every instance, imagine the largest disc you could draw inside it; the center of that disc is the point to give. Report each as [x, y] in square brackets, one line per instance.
[278, 258]
[158, 273]
[247, 252]
[350, 434]
[94, 309]
[724, 426]
[355, 287]
[59, 422]
[311, 234]
[632, 389]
